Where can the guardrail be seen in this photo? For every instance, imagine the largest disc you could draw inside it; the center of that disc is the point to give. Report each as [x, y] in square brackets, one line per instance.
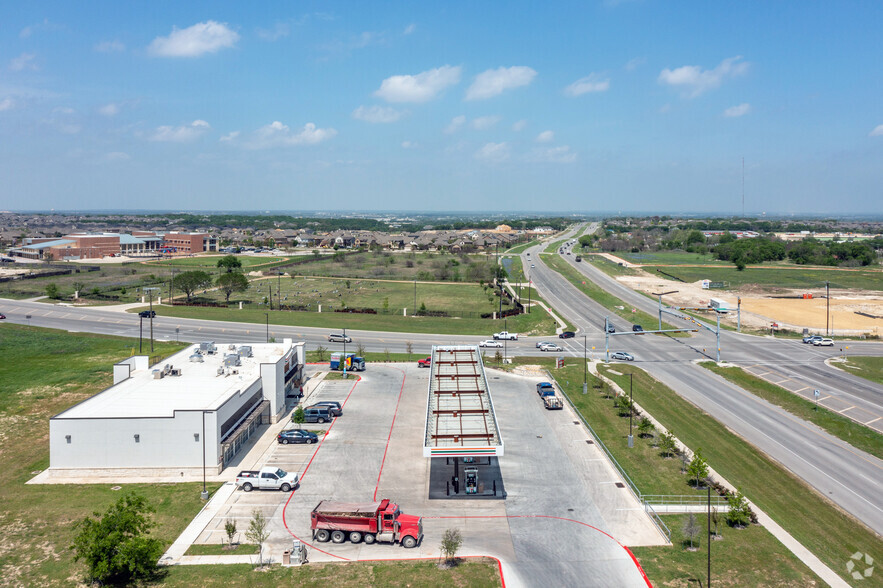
[684, 500]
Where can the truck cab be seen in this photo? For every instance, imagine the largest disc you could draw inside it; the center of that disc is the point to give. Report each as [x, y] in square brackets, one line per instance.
[368, 521]
[349, 361]
[545, 389]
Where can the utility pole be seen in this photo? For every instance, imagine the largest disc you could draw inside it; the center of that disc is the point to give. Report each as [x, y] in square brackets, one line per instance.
[631, 437]
[827, 307]
[709, 534]
[267, 315]
[585, 366]
[150, 293]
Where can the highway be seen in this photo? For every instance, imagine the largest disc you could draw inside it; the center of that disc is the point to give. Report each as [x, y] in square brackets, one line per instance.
[850, 478]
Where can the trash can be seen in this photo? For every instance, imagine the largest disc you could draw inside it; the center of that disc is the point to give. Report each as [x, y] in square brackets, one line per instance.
[286, 558]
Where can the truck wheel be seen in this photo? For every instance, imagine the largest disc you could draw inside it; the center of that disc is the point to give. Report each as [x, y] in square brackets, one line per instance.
[285, 488]
[355, 537]
[338, 536]
[246, 487]
[323, 535]
[409, 542]
[370, 538]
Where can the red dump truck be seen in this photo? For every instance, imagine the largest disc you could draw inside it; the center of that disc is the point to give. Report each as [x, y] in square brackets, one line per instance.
[368, 521]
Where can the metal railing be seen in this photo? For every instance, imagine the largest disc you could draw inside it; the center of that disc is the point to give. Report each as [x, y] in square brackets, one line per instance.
[717, 501]
[657, 520]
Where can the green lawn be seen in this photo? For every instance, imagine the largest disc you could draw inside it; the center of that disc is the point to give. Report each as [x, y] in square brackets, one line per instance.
[44, 372]
[554, 245]
[668, 257]
[773, 277]
[870, 368]
[608, 267]
[248, 262]
[222, 549]
[472, 572]
[605, 299]
[821, 527]
[856, 434]
[735, 558]
[521, 248]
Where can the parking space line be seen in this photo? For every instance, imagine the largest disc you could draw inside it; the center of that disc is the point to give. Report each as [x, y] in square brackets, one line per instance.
[802, 389]
[845, 409]
[873, 420]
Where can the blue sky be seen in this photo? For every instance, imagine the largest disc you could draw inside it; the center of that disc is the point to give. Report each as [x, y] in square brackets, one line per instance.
[608, 106]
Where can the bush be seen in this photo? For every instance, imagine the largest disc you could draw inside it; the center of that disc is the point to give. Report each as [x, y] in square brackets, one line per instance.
[739, 514]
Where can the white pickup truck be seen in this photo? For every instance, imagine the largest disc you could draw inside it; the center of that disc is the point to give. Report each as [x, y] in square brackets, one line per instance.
[267, 478]
[506, 335]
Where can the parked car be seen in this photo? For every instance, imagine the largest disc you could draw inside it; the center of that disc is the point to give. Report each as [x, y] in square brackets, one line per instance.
[812, 339]
[624, 356]
[333, 407]
[567, 335]
[267, 478]
[490, 343]
[296, 436]
[147, 313]
[317, 414]
[339, 338]
[551, 347]
[825, 342]
[637, 328]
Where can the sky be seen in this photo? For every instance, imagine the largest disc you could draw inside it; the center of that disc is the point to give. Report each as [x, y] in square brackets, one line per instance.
[613, 105]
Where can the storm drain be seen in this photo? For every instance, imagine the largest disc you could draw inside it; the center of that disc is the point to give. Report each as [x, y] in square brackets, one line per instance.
[590, 442]
[620, 485]
[575, 422]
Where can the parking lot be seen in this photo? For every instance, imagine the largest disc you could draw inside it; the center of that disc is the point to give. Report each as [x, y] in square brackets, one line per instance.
[564, 519]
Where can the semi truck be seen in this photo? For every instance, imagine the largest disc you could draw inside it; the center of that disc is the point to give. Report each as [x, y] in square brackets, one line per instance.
[350, 361]
[718, 305]
[365, 521]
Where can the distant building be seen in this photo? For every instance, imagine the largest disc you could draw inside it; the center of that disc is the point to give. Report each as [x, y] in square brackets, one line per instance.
[99, 245]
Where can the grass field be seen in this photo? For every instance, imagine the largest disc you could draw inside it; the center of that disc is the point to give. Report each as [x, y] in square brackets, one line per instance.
[821, 527]
[522, 247]
[608, 267]
[668, 258]
[605, 299]
[219, 549]
[741, 557]
[472, 572]
[210, 262]
[42, 373]
[869, 368]
[773, 277]
[858, 435]
[554, 245]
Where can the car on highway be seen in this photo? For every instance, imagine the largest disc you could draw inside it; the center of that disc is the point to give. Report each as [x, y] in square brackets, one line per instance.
[296, 436]
[541, 343]
[551, 347]
[532, 265]
[622, 355]
[147, 313]
[812, 338]
[637, 329]
[332, 405]
[339, 338]
[824, 342]
[567, 335]
[2, 316]
[611, 328]
[490, 343]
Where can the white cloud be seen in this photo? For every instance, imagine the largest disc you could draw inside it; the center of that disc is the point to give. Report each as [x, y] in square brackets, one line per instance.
[519, 125]
[493, 152]
[633, 64]
[409, 145]
[409, 29]
[377, 114]
[279, 30]
[117, 156]
[182, 134]
[545, 137]
[63, 110]
[418, 88]
[494, 82]
[229, 137]
[740, 110]
[109, 109]
[40, 26]
[560, 154]
[695, 80]
[201, 38]
[483, 123]
[109, 47]
[7, 104]
[23, 62]
[277, 134]
[455, 124]
[591, 83]
[877, 132]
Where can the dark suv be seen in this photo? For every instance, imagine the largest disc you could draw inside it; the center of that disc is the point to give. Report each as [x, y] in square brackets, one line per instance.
[147, 313]
[317, 414]
[332, 405]
[637, 328]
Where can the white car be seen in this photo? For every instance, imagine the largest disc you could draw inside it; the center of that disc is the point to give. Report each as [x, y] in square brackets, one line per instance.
[824, 343]
[490, 343]
[551, 347]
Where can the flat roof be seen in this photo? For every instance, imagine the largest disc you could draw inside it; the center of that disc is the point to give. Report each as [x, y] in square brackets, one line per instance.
[460, 418]
[199, 387]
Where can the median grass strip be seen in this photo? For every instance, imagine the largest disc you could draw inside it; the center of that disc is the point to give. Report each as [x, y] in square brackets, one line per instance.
[521, 248]
[740, 557]
[605, 299]
[554, 245]
[773, 277]
[222, 549]
[472, 572]
[869, 368]
[44, 372]
[832, 535]
[856, 434]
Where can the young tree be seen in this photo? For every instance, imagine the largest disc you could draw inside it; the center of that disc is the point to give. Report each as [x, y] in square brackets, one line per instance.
[386, 354]
[78, 288]
[258, 532]
[691, 528]
[667, 444]
[232, 282]
[623, 405]
[739, 514]
[715, 520]
[190, 282]
[360, 349]
[230, 263]
[698, 468]
[320, 352]
[52, 291]
[115, 546]
[410, 348]
[450, 544]
[230, 530]
[298, 416]
[645, 428]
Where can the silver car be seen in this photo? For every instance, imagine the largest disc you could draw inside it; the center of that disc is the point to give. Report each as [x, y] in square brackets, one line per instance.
[622, 355]
[551, 347]
[491, 343]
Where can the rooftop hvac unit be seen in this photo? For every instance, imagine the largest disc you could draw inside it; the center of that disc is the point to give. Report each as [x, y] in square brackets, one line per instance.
[245, 351]
[208, 347]
[231, 360]
[158, 374]
[220, 371]
[196, 358]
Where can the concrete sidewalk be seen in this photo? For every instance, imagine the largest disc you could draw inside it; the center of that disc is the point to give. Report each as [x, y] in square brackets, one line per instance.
[193, 530]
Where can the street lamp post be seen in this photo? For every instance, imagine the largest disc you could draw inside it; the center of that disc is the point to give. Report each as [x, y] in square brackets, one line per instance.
[267, 315]
[150, 293]
[631, 412]
[204, 494]
[344, 353]
[140, 331]
[414, 312]
[585, 366]
[506, 340]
